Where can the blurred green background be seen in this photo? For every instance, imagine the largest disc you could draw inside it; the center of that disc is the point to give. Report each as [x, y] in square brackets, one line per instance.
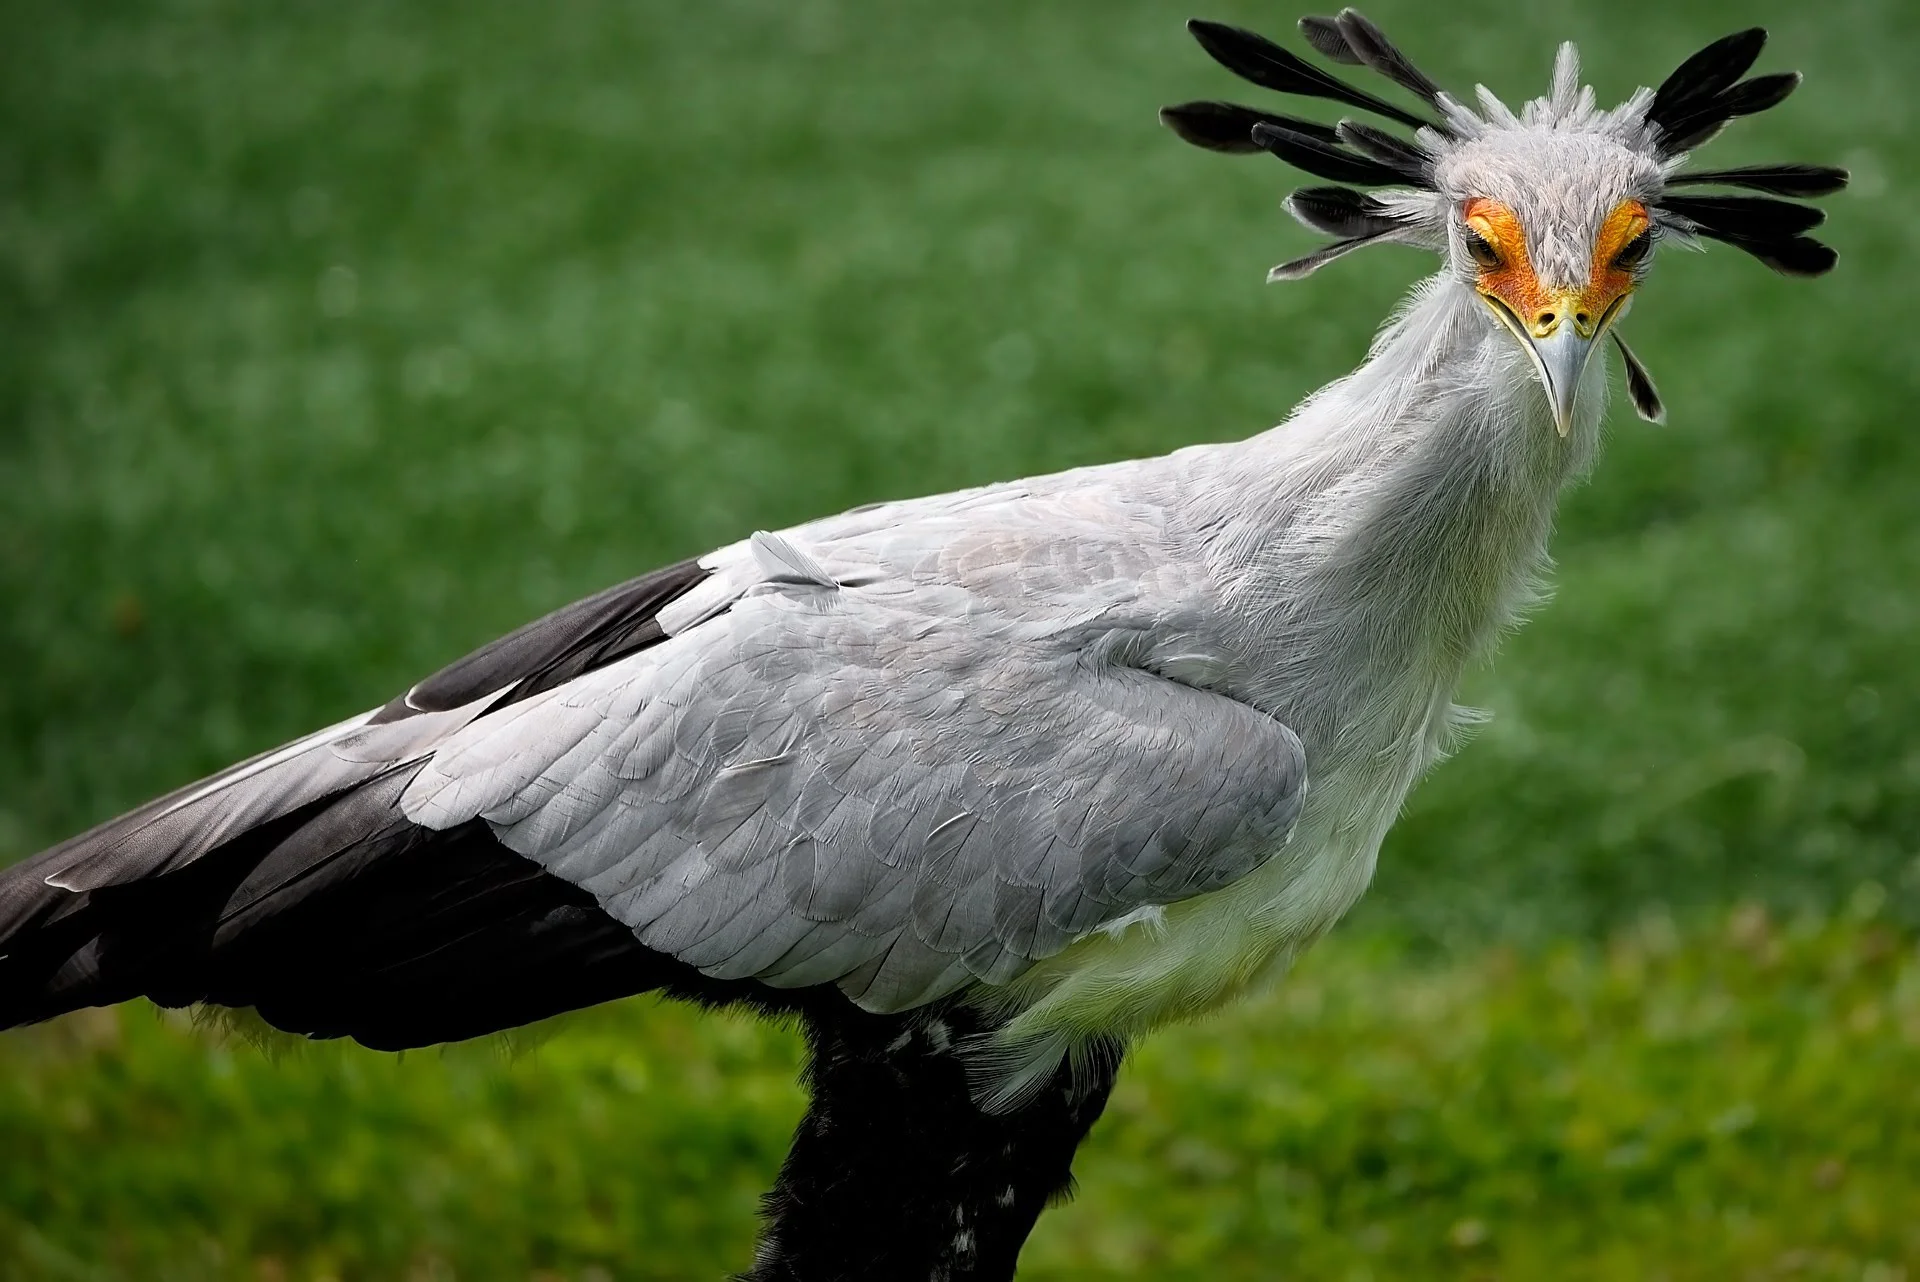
[337, 338]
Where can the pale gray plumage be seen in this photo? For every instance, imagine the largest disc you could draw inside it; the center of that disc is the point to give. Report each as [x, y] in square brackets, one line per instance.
[1048, 743]
[943, 751]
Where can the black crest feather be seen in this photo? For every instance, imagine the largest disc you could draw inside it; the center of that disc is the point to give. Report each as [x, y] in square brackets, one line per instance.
[1371, 46]
[1341, 211]
[1770, 230]
[1695, 103]
[1795, 256]
[1329, 41]
[1804, 181]
[1707, 74]
[1323, 159]
[1349, 153]
[1408, 161]
[1258, 59]
[1228, 127]
[1690, 107]
[1697, 124]
[1646, 397]
[1745, 217]
[1307, 264]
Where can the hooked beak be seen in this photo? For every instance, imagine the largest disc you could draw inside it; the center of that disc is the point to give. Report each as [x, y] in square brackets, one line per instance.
[1559, 349]
[1560, 359]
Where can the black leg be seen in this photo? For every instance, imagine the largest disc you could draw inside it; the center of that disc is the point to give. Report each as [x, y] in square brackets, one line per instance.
[895, 1175]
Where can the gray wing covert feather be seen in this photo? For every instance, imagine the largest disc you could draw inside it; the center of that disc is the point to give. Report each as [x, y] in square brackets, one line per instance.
[825, 786]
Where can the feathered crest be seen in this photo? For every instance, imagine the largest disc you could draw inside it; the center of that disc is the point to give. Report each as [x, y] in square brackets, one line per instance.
[1695, 103]
[1692, 105]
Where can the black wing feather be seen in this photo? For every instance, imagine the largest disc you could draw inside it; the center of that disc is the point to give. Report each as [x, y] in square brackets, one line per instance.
[149, 902]
[555, 648]
[172, 831]
[345, 920]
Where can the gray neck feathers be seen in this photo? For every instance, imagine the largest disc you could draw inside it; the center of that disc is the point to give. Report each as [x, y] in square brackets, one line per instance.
[1382, 537]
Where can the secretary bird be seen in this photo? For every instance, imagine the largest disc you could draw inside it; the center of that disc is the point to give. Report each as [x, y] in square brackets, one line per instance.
[981, 786]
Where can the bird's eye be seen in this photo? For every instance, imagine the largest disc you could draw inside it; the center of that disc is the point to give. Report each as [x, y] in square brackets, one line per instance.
[1634, 251]
[1482, 249]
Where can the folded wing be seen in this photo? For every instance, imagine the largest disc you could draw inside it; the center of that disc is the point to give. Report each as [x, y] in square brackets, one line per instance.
[887, 788]
[921, 762]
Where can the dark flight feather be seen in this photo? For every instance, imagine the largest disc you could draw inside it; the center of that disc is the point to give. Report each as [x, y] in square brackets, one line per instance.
[311, 898]
[1373, 48]
[555, 648]
[343, 919]
[1403, 157]
[1329, 41]
[1256, 58]
[1228, 127]
[1745, 217]
[1646, 397]
[1706, 74]
[1341, 211]
[1804, 181]
[172, 833]
[1323, 159]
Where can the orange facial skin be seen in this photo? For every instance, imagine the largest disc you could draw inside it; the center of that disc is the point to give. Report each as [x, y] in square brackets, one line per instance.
[1510, 280]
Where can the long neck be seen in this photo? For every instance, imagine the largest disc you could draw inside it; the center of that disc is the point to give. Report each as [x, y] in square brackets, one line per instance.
[1376, 541]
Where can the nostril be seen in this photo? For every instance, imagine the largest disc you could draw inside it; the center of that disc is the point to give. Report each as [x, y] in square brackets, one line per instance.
[1582, 319]
[1546, 318]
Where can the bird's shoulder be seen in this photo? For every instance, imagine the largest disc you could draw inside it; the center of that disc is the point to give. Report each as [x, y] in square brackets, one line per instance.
[1085, 544]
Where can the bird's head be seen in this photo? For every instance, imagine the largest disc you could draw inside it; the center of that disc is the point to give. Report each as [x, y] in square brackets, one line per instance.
[1551, 214]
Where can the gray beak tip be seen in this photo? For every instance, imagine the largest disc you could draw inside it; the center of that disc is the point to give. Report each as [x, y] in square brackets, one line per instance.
[1561, 359]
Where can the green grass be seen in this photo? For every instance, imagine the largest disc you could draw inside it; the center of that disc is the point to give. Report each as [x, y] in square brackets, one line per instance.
[1732, 1101]
[339, 338]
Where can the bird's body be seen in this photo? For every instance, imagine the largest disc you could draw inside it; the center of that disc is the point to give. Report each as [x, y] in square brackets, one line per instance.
[1347, 578]
[982, 785]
